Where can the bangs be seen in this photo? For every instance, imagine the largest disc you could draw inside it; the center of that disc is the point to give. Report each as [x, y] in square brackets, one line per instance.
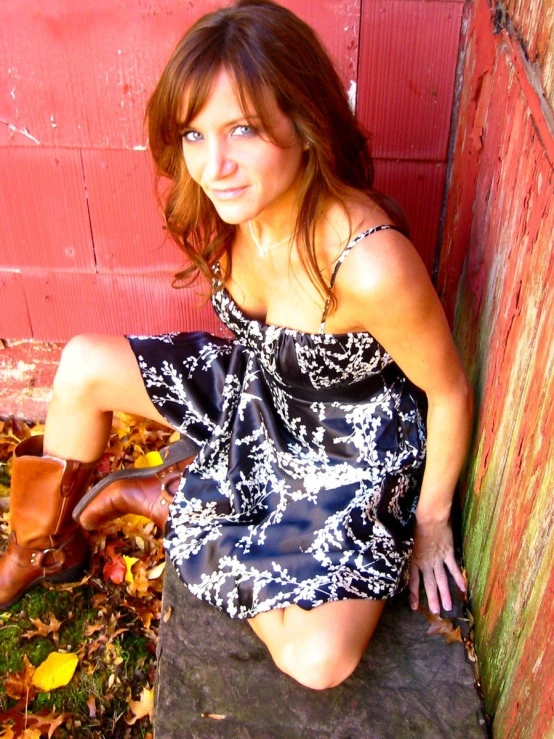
[252, 93]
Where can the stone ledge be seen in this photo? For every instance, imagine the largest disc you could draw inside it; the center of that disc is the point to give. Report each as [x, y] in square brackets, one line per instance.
[408, 685]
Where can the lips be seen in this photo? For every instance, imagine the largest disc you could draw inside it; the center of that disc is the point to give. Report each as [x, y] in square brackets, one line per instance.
[229, 193]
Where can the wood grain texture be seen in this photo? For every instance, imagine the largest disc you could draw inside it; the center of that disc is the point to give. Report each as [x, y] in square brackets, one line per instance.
[126, 223]
[62, 305]
[533, 21]
[409, 52]
[501, 213]
[79, 74]
[43, 211]
[418, 187]
[14, 316]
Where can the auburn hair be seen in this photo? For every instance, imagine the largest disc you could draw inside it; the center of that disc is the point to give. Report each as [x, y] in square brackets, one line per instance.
[263, 47]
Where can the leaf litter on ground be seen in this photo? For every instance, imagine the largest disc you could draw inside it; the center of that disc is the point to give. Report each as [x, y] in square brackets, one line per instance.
[99, 635]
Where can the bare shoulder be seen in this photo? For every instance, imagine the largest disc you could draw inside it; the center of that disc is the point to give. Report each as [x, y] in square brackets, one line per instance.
[382, 265]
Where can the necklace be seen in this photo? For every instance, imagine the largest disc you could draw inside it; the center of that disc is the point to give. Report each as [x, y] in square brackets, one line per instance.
[262, 250]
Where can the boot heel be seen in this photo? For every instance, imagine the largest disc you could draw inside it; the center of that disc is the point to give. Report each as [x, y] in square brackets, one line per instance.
[72, 574]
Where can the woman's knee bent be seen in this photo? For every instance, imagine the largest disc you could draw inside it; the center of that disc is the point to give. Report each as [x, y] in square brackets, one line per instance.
[86, 363]
[317, 663]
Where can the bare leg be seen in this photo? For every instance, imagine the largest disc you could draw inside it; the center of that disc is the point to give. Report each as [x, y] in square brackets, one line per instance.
[97, 375]
[322, 647]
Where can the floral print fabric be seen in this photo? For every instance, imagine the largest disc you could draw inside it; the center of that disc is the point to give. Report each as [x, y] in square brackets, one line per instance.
[310, 452]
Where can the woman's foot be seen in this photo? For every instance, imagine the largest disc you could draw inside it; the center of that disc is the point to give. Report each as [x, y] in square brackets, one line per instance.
[146, 492]
[44, 543]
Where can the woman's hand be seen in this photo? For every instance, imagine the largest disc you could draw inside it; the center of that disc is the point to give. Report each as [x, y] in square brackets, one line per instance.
[433, 549]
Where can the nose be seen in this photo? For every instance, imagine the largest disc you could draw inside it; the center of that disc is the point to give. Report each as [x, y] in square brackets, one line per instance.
[218, 162]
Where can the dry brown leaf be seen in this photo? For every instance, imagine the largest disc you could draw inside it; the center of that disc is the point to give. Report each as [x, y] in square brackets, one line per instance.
[114, 567]
[42, 629]
[215, 716]
[143, 707]
[441, 626]
[91, 705]
[20, 684]
[26, 725]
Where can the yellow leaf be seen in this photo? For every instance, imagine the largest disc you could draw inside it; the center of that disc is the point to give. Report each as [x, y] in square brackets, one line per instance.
[151, 459]
[56, 670]
[129, 562]
[134, 521]
[143, 707]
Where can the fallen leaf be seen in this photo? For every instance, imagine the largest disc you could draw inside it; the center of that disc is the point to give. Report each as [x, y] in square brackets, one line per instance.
[143, 707]
[56, 670]
[151, 459]
[129, 562]
[42, 629]
[25, 725]
[156, 571]
[91, 705]
[216, 716]
[115, 568]
[441, 626]
[20, 684]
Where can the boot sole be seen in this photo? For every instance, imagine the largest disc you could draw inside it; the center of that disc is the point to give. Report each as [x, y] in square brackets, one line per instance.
[175, 453]
[72, 574]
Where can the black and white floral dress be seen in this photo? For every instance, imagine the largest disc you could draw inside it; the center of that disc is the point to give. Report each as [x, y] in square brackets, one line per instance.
[310, 452]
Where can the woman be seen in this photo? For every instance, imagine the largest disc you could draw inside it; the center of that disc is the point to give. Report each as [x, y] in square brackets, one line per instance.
[304, 439]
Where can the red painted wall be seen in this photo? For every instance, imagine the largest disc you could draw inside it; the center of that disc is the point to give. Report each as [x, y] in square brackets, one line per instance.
[497, 278]
[82, 247]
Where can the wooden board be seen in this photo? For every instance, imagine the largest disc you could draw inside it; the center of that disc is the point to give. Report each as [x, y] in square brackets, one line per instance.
[499, 225]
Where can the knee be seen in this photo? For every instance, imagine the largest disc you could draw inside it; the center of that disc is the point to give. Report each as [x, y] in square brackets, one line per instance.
[80, 366]
[317, 663]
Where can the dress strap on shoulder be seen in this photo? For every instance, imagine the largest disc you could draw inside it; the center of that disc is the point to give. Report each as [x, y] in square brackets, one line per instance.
[340, 260]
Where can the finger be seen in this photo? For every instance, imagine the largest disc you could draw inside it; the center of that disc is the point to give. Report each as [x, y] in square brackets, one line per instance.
[444, 589]
[431, 590]
[413, 587]
[457, 574]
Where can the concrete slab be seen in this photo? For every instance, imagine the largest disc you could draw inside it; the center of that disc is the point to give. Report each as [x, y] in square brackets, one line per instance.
[27, 369]
[216, 680]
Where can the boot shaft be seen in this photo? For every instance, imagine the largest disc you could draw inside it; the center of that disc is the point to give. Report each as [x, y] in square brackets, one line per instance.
[44, 491]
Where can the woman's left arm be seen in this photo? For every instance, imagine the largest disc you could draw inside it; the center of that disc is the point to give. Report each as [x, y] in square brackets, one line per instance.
[389, 293]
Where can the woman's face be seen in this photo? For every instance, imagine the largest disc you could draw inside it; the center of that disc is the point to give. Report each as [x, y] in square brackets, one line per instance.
[243, 174]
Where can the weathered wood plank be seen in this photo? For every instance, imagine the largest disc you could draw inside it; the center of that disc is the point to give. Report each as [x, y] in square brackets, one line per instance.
[503, 214]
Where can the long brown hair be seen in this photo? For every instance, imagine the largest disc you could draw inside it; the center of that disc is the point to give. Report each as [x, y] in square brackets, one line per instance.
[264, 47]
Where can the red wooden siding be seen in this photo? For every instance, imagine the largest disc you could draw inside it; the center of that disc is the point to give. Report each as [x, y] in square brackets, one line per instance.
[78, 217]
[498, 246]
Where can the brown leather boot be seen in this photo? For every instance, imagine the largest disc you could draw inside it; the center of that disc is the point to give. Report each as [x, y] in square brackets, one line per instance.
[45, 543]
[147, 492]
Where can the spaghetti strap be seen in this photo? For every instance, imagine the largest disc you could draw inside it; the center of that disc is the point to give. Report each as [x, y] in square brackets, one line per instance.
[340, 260]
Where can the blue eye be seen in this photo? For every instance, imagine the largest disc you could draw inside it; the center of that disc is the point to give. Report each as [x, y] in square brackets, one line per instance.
[191, 136]
[243, 130]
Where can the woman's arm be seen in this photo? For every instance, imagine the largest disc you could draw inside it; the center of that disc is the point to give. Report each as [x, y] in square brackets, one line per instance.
[385, 288]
